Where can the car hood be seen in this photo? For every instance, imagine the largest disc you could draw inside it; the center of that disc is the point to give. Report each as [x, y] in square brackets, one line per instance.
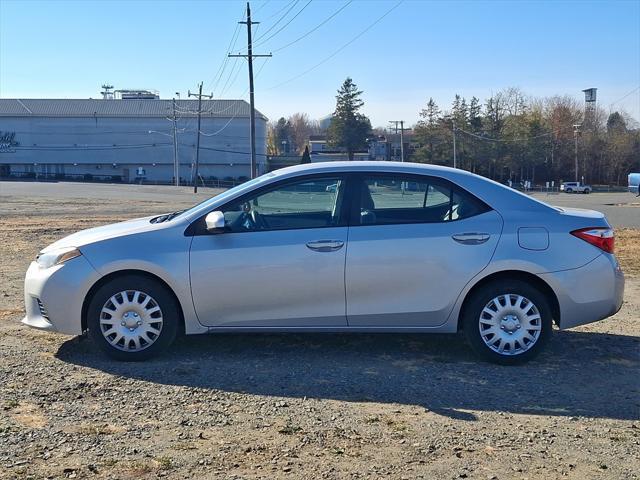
[92, 235]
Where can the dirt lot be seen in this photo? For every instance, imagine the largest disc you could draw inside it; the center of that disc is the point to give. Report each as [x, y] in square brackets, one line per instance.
[306, 406]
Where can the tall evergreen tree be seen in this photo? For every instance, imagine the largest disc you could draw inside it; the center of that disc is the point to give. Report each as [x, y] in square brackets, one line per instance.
[306, 157]
[349, 128]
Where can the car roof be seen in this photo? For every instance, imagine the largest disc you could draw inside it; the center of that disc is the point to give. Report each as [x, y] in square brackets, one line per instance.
[367, 165]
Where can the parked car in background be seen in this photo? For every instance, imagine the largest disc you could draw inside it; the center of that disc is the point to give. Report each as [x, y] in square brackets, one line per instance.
[634, 182]
[575, 187]
[336, 247]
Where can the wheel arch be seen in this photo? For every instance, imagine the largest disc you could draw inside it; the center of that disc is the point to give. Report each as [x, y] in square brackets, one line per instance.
[527, 277]
[120, 273]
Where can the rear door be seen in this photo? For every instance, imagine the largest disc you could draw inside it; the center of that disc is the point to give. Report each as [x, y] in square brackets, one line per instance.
[414, 243]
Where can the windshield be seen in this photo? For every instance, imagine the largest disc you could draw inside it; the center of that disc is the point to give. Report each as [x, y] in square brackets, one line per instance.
[225, 195]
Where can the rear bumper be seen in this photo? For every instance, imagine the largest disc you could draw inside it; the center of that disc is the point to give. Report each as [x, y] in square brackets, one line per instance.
[53, 296]
[589, 293]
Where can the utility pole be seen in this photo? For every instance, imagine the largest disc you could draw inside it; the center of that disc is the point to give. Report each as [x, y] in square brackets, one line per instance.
[176, 168]
[576, 132]
[250, 56]
[199, 95]
[455, 159]
[401, 122]
[402, 140]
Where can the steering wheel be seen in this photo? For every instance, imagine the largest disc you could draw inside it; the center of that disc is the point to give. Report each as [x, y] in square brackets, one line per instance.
[257, 220]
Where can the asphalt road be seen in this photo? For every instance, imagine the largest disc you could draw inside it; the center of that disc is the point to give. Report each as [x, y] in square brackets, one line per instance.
[622, 209]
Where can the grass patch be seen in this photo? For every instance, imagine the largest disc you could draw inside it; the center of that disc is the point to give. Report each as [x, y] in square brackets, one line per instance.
[628, 250]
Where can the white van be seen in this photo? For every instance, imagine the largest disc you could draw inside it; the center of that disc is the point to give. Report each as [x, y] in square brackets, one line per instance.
[634, 182]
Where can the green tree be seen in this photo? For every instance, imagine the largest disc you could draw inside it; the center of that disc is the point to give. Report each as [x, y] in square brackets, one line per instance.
[349, 128]
[616, 123]
[429, 134]
[283, 135]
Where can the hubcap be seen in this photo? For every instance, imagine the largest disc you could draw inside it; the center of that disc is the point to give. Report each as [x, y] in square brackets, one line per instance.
[131, 320]
[510, 324]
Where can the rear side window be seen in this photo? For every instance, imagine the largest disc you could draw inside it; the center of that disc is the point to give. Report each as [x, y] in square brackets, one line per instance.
[395, 199]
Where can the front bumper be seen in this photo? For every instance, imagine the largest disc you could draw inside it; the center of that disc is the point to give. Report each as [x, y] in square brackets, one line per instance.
[589, 293]
[53, 296]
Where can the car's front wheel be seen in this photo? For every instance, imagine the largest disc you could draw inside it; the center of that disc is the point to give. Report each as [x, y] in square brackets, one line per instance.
[507, 322]
[132, 317]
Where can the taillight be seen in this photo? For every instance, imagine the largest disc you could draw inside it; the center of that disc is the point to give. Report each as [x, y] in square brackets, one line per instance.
[601, 237]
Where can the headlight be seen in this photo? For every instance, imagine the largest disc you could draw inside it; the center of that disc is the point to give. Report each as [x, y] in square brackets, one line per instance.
[57, 256]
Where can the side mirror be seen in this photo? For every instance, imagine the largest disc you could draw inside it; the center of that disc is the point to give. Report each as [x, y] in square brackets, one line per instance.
[215, 221]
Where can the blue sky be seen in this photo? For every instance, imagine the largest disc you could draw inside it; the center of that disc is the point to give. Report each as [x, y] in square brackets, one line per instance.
[422, 49]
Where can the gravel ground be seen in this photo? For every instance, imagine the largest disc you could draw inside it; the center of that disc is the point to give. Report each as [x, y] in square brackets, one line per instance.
[304, 406]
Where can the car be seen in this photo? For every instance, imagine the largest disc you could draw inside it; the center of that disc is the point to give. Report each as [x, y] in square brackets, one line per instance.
[575, 187]
[634, 183]
[283, 252]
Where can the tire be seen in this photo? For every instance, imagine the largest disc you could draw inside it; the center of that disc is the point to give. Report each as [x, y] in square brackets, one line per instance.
[568, 190]
[144, 321]
[509, 326]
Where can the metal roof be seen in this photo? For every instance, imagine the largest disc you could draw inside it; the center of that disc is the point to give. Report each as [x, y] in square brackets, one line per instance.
[45, 107]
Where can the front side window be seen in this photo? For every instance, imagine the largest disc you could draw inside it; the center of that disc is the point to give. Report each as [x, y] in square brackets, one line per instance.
[395, 199]
[312, 203]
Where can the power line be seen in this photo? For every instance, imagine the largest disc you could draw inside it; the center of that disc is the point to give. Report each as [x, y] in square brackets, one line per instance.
[489, 139]
[233, 151]
[508, 140]
[295, 2]
[378, 20]
[225, 60]
[262, 42]
[315, 28]
[262, 6]
[216, 133]
[280, 11]
[62, 148]
[625, 96]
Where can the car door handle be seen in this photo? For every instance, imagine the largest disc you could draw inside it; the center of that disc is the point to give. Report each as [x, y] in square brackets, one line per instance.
[325, 245]
[471, 238]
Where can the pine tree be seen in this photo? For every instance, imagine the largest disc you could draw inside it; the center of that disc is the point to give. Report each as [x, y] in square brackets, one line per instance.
[349, 128]
[306, 157]
[431, 114]
[428, 132]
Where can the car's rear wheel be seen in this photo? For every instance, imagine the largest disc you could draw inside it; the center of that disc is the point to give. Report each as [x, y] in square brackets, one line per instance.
[132, 317]
[507, 322]
[568, 190]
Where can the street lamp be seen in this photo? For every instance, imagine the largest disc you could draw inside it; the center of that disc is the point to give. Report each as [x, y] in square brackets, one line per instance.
[576, 132]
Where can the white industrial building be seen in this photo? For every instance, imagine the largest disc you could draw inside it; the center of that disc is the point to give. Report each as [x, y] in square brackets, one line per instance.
[127, 139]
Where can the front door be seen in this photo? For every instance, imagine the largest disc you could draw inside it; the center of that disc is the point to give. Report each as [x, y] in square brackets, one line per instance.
[281, 261]
[417, 242]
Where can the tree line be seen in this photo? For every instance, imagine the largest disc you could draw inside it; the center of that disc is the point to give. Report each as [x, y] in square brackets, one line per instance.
[507, 136]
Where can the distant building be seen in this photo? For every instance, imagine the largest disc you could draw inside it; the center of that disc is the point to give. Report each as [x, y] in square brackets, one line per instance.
[387, 147]
[381, 147]
[127, 138]
[320, 151]
[325, 121]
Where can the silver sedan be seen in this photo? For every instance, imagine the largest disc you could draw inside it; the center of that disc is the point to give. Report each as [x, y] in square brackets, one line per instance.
[336, 247]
